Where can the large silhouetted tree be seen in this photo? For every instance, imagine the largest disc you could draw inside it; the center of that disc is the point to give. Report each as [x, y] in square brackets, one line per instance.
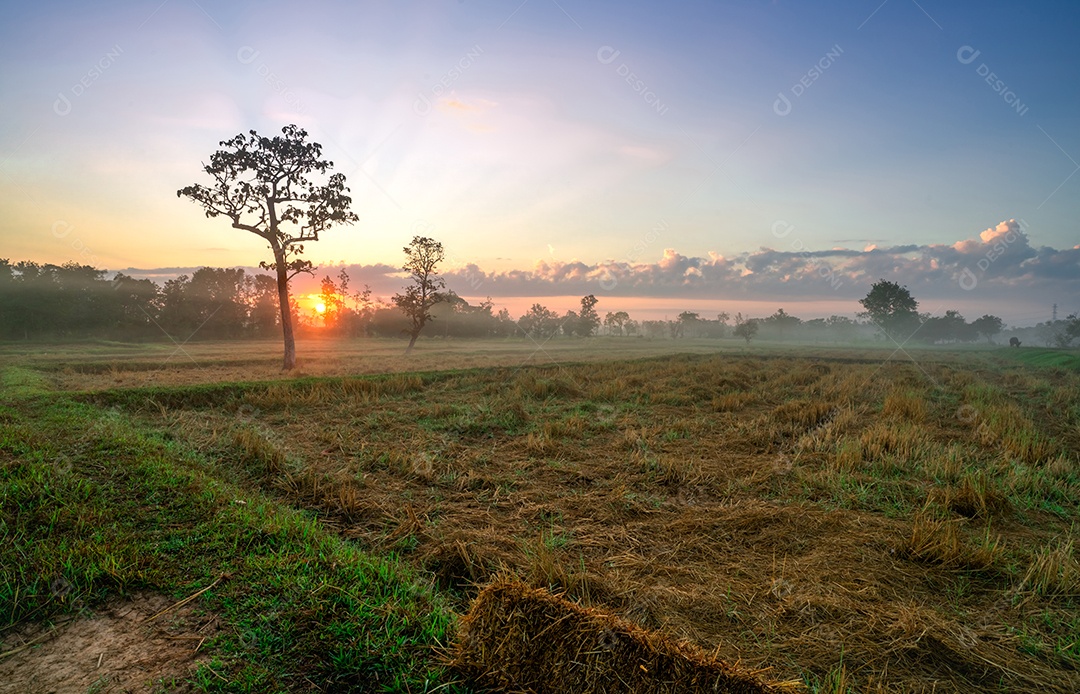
[891, 308]
[263, 186]
[422, 255]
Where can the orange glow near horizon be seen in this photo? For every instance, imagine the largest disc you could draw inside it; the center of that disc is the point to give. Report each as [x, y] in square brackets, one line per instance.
[656, 308]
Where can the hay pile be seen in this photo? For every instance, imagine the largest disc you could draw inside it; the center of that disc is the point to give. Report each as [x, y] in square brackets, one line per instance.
[526, 639]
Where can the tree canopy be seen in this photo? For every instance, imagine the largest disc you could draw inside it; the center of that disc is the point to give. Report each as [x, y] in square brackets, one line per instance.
[422, 255]
[264, 186]
[892, 308]
[988, 326]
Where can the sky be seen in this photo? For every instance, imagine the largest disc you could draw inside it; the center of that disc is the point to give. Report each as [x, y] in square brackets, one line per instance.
[710, 156]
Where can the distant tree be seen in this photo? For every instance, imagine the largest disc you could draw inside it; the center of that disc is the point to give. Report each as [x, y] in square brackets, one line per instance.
[459, 318]
[8, 292]
[816, 328]
[505, 325]
[841, 327]
[745, 328]
[687, 323]
[388, 321]
[948, 328]
[783, 322]
[211, 303]
[654, 328]
[138, 301]
[891, 308]
[218, 294]
[1072, 327]
[262, 185]
[178, 315]
[1048, 332]
[332, 302]
[1060, 333]
[616, 322]
[84, 300]
[988, 326]
[539, 321]
[352, 320]
[721, 325]
[363, 307]
[588, 320]
[57, 300]
[263, 315]
[422, 256]
[569, 324]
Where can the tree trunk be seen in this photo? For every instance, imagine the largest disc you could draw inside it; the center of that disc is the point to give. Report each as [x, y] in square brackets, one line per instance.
[286, 312]
[412, 341]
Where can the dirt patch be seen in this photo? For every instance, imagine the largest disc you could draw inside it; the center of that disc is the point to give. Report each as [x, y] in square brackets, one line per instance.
[112, 649]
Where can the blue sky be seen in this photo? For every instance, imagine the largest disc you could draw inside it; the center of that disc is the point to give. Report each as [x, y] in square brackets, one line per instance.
[562, 147]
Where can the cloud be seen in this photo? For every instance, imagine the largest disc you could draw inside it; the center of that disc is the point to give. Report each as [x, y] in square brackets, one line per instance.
[1001, 260]
[998, 265]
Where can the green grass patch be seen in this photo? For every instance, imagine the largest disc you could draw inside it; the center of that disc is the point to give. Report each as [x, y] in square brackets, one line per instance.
[20, 382]
[1057, 358]
[94, 507]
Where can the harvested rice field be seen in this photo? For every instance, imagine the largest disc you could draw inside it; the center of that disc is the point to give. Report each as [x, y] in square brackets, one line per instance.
[836, 521]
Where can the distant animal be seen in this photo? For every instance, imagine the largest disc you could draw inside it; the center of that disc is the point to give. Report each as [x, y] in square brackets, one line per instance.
[1013, 342]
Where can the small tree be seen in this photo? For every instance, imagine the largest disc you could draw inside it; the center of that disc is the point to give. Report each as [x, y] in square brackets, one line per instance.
[422, 255]
[654, 328]
[1072, 327]
[363, 307]
[263, 314]
[842, 327]
[891, 307]
[505, 325]
[352, 321]
[262, 185]
[331, 295]
[784, 323]
[746, 328]
[988, 326]
[588, 320]
[539, 321]
[688, 322]
[570, 323]
[616, 321]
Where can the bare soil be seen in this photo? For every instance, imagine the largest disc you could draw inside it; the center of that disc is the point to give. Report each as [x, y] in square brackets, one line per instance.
[110, 650]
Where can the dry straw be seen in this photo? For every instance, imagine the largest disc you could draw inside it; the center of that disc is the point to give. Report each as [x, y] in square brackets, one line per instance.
[525, 639]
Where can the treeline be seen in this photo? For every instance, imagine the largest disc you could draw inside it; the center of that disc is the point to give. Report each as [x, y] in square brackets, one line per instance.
[80, 301]
[72, 300]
